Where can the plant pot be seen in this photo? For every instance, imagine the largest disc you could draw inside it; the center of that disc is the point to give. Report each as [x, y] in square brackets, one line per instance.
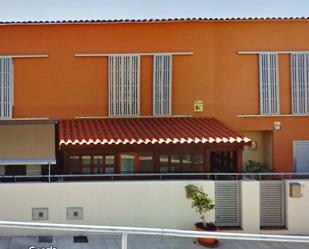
[209, 242]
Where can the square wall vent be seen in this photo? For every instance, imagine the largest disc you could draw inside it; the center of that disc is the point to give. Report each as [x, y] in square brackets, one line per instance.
[74, 213]
[39, 213]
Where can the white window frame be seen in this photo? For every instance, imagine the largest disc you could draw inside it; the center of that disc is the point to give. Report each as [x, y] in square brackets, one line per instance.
[162, 84]
[124, 85]
[269, 83]
[6, 87]
[300, 83]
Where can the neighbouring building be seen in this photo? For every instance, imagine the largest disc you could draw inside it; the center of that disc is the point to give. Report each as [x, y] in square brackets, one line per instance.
[154, 96]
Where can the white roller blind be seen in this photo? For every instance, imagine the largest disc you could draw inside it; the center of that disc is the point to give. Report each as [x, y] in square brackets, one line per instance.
[124, 85]
[27, 144]
[6, 87]
[300, 83]
[301, 156]
[269, 83]
[162, 84]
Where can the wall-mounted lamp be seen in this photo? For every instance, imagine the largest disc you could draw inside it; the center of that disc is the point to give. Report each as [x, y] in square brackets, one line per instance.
[253, 145]
[277, 125]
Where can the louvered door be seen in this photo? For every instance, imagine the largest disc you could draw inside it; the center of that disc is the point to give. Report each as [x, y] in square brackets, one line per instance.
[272, 203]
[227, 202]
[301, 156]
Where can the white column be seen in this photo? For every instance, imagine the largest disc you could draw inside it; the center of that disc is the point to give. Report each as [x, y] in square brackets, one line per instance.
[250, 206]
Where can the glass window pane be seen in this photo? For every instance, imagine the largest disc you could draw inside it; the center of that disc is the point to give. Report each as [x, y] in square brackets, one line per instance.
[109, 160]
[175, 160]
[186, 163]
[197, 163]
[86, 170]
[109, 170]
[74, 161]
[98, 170]
[86, 160]
[145, 164]
[74, 164]
[97, 160]
[163, 163]
[127, 164]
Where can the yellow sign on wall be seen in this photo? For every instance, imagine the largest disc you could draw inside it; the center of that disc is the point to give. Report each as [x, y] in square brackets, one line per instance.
[198, 106]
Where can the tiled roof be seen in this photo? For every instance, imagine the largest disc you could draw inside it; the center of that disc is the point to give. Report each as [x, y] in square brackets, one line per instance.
[146, 131]
[193, 19]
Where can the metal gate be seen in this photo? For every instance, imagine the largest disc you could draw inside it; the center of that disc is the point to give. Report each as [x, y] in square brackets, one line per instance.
[272, 203]
[227, 202]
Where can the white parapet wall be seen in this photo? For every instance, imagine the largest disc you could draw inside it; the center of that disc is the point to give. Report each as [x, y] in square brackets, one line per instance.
[157, 204]
[298, 208]
[250, 206]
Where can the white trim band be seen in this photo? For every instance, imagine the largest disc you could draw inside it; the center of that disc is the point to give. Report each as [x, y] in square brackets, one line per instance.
[131, 54]
[273, 52]
[25, 56]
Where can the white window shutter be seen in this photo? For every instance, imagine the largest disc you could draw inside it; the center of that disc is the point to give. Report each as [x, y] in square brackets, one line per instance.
[300, 83]
[124, 85]
[162, 84]
[6, 87]
[269, 83]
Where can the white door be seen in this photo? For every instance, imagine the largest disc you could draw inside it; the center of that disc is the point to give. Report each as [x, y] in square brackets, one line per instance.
[301, 156]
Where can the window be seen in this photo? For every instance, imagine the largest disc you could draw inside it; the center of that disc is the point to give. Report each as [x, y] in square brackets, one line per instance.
[162, 84]
[92, 164]
[145, 164]
[98, 165]
[175, 161]
[124, 85]
[300, 83]
[127, 164]
[164, 163]
[197, 163]
[109, 164]
[269, 83]
[6, 87]
[74, 162]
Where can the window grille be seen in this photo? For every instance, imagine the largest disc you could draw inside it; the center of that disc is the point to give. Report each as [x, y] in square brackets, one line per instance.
[300, 83]
[269, 83]
[6, 87]
[162, 84]
[124, 85]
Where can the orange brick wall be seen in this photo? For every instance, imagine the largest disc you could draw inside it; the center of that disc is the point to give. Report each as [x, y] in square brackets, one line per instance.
[63, 86]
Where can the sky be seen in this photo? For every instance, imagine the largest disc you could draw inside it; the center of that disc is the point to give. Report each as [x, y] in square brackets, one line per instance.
[31, 10]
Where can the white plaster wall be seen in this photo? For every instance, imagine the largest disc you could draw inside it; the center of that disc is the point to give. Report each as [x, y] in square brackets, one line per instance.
[250, 206]
[160, 204]
[298, 209]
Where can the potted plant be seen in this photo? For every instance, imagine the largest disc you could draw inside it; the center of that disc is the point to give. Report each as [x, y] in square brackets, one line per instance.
[202, 203]
[258, 167]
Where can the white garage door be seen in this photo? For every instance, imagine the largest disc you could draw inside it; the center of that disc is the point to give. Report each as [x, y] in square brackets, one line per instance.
[301, 156]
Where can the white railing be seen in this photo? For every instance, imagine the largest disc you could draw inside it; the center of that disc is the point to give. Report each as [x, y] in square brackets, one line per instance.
[125, 231]
[156, 176]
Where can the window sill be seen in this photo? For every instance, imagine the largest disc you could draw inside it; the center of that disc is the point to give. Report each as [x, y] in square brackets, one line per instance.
[270, 116]
[138, 116]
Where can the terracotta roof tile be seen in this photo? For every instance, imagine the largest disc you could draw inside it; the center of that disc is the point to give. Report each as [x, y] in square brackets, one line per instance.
[145, 131]
[155, 20]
